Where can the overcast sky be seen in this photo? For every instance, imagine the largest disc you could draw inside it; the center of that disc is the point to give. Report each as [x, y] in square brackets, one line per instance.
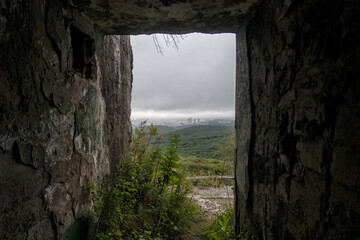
[196, 81]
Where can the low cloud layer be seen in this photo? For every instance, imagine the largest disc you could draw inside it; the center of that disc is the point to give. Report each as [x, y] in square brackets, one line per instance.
[197, 80]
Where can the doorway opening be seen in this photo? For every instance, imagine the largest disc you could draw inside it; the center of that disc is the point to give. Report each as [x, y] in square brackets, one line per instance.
[189, 89]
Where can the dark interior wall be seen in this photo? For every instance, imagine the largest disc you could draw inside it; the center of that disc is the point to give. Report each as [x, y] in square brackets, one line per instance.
[304, 156]
[57, 114]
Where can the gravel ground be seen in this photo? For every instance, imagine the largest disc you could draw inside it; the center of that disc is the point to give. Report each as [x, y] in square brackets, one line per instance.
[213, 199]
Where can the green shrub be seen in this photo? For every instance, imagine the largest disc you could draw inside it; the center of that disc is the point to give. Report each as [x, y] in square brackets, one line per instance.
[223, 227]
[147, 199]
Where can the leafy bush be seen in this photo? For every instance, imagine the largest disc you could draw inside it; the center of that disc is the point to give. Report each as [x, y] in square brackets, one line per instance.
[147, 198]
[223, 227]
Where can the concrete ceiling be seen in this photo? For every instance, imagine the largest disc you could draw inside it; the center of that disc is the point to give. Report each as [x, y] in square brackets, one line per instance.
[166, 16]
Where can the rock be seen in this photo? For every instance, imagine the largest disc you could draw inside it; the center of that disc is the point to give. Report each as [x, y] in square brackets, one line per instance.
[57, 123]
[304, 76]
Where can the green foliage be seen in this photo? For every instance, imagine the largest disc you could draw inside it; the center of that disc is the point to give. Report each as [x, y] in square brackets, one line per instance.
[226, 151]
[147, 199]
[205, 166]
[211, 182]
[222, 227]
[201, 140]
[165, 129]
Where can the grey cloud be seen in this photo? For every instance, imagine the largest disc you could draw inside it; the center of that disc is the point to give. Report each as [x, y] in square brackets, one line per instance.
[199, 77]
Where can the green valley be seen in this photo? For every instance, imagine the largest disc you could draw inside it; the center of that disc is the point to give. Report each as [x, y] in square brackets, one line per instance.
[198, 140]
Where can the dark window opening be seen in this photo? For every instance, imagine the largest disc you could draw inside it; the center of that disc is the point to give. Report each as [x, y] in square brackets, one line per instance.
[83, 53]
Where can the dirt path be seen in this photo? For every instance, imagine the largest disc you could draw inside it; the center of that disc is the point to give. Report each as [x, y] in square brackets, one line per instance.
[212, 199]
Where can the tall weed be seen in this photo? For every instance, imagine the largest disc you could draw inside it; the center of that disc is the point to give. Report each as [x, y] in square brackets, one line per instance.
[223, 227]
[147, 199]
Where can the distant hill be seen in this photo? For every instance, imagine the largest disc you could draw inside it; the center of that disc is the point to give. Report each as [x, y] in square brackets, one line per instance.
[165, 129]
[199, 140]
[222, 122]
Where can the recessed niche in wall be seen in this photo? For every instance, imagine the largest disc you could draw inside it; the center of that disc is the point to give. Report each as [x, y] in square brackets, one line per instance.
[83, 52]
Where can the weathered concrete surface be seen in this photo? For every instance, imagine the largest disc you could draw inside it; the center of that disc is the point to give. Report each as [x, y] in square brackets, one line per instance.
[303, 158]
[169, 16]
[55, 115]
[243, 114]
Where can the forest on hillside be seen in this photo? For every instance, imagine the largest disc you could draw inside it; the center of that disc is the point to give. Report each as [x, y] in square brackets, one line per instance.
[199, 140]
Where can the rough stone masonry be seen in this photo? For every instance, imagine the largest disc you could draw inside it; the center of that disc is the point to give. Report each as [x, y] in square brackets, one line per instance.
[65, 90]
[65, 106]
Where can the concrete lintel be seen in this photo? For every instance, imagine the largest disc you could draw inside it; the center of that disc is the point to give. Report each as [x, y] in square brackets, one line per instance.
[162, 16]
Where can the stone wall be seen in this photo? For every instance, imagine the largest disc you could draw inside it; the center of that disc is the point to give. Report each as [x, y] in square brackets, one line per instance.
[59, 114]
[303, 163]
[116, 85]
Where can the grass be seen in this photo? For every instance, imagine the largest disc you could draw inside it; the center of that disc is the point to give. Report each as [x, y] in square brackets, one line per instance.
[196, 166]
[214, 182]
[222, 226]
[201, 224]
